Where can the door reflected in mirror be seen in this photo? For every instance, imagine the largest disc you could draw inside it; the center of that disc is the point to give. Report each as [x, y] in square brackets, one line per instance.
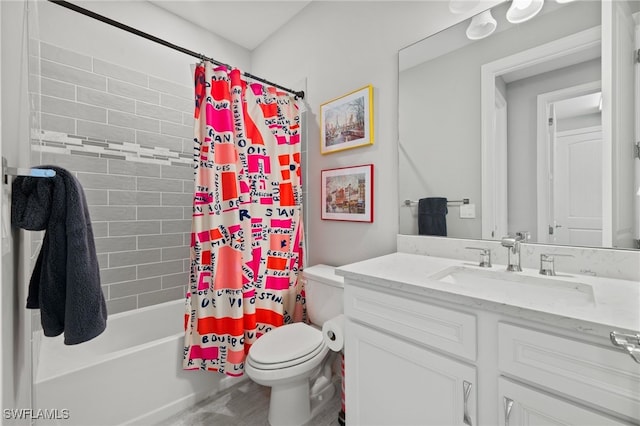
[575, 172]
[527, 124]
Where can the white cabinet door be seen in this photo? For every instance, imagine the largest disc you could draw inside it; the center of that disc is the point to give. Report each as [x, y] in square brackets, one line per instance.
[523, 406]
[390, 381]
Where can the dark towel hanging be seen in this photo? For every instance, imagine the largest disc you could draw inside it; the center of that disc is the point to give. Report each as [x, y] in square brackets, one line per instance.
[65, 284]
[432, 219]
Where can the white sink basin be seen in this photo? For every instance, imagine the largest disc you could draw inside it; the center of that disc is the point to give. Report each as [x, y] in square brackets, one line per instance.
[526, 286]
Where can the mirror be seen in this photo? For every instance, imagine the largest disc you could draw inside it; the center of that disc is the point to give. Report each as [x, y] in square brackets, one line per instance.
[527, 130]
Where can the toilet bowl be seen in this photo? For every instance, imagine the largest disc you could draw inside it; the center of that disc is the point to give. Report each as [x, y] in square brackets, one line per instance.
[293, 359]
[287, 369]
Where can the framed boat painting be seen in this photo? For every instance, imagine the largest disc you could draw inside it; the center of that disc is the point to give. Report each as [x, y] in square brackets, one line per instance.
[347, 122]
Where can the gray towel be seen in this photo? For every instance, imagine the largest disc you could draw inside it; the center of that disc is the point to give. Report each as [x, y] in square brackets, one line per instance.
[65, 284]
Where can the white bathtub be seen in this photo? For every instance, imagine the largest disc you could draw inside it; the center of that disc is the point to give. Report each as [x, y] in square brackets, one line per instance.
[130, 374]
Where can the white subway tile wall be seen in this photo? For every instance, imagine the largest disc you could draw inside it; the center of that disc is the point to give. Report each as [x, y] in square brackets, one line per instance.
[128, 138]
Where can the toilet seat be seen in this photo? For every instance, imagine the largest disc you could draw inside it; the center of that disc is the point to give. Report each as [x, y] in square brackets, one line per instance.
[286, 346]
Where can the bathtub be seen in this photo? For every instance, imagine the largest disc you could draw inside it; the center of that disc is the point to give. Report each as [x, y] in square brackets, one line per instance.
[130, 374]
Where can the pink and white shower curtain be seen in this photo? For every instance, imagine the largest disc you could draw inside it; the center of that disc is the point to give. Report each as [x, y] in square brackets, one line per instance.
[246, 239]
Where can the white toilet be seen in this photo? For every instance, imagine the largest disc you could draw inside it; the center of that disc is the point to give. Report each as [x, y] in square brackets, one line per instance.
[293, 359]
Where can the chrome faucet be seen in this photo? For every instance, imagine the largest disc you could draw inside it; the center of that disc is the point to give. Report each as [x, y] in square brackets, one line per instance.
[547, 264]
[513, 244]
[485, 256]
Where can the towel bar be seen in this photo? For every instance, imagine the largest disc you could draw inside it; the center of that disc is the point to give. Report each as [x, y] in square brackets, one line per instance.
[408, 203]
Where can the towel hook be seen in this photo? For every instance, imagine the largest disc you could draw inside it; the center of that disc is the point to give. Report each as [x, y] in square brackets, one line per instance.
[17, 171]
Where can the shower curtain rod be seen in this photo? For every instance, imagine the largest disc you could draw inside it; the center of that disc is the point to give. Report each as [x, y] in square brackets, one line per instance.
[86, 12]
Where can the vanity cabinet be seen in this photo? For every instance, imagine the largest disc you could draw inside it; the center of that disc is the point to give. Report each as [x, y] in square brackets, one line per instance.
[412, 360]
[395, 380]
[400, 383]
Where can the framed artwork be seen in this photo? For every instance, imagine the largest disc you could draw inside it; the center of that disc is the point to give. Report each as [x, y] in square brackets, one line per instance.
[347, 122]
[347, 193]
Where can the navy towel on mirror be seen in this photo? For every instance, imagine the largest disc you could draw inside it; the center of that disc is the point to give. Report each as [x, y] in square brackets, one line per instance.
[432, 219]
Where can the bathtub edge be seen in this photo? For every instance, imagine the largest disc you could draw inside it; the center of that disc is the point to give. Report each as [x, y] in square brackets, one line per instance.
[164, 413]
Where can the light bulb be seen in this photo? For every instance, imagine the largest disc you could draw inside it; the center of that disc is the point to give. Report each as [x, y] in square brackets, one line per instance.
[523, 10]
[481, 26]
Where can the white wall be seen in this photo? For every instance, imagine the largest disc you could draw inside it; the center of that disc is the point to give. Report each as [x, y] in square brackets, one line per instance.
[340, 47]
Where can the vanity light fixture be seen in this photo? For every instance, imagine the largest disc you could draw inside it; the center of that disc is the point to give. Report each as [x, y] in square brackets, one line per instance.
[523, 10]
[481, 26]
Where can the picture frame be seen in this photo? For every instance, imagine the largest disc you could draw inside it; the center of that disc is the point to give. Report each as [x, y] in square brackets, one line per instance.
[347, 193]
[347, 121]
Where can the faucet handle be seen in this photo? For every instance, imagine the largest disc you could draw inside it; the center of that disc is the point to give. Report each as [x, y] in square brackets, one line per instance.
[547, 264]
[511, 240]
[485, 256]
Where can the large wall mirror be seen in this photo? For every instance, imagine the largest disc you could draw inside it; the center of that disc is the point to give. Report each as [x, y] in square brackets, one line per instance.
[529, 130]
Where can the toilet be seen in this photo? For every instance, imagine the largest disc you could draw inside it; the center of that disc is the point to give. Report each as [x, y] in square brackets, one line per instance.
[293, 359]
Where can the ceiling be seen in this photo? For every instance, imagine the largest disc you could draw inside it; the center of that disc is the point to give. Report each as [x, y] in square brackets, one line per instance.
[246, 23]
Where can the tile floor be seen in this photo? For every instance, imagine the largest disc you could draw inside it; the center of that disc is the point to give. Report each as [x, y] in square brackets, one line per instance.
[246, 404]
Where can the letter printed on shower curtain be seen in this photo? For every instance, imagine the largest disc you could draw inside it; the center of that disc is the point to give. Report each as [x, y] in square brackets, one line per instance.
[246, 239]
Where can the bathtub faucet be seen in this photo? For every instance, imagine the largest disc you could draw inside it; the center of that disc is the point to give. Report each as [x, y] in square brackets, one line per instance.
[513, 245]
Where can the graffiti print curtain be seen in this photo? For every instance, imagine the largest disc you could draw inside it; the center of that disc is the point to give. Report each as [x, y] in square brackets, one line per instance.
[246, 239]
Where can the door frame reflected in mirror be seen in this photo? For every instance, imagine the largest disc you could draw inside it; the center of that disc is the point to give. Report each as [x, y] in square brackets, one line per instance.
[546, 174]
[494, 162]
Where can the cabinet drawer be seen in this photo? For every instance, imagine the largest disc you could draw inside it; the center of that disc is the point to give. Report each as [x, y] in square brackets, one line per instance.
[441, 328]
[521, 405]
[597, 375]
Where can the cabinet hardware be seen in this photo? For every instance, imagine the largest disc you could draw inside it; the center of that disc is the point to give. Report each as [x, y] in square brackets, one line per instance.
[508, 405]
[467, 390]
[628, 342]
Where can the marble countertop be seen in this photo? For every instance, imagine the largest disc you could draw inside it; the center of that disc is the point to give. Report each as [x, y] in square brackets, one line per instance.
[594, 305]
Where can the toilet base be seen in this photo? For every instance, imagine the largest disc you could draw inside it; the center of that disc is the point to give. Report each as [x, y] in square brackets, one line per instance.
[289, 404]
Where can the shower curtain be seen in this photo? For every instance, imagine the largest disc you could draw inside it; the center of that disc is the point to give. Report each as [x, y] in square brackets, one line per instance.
[246, 240]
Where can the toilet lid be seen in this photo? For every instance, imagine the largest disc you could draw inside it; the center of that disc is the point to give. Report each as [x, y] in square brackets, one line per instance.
[290, 342]
[289, 363]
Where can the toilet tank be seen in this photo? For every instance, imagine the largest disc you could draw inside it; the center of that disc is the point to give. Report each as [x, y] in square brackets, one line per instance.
[324, 292]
